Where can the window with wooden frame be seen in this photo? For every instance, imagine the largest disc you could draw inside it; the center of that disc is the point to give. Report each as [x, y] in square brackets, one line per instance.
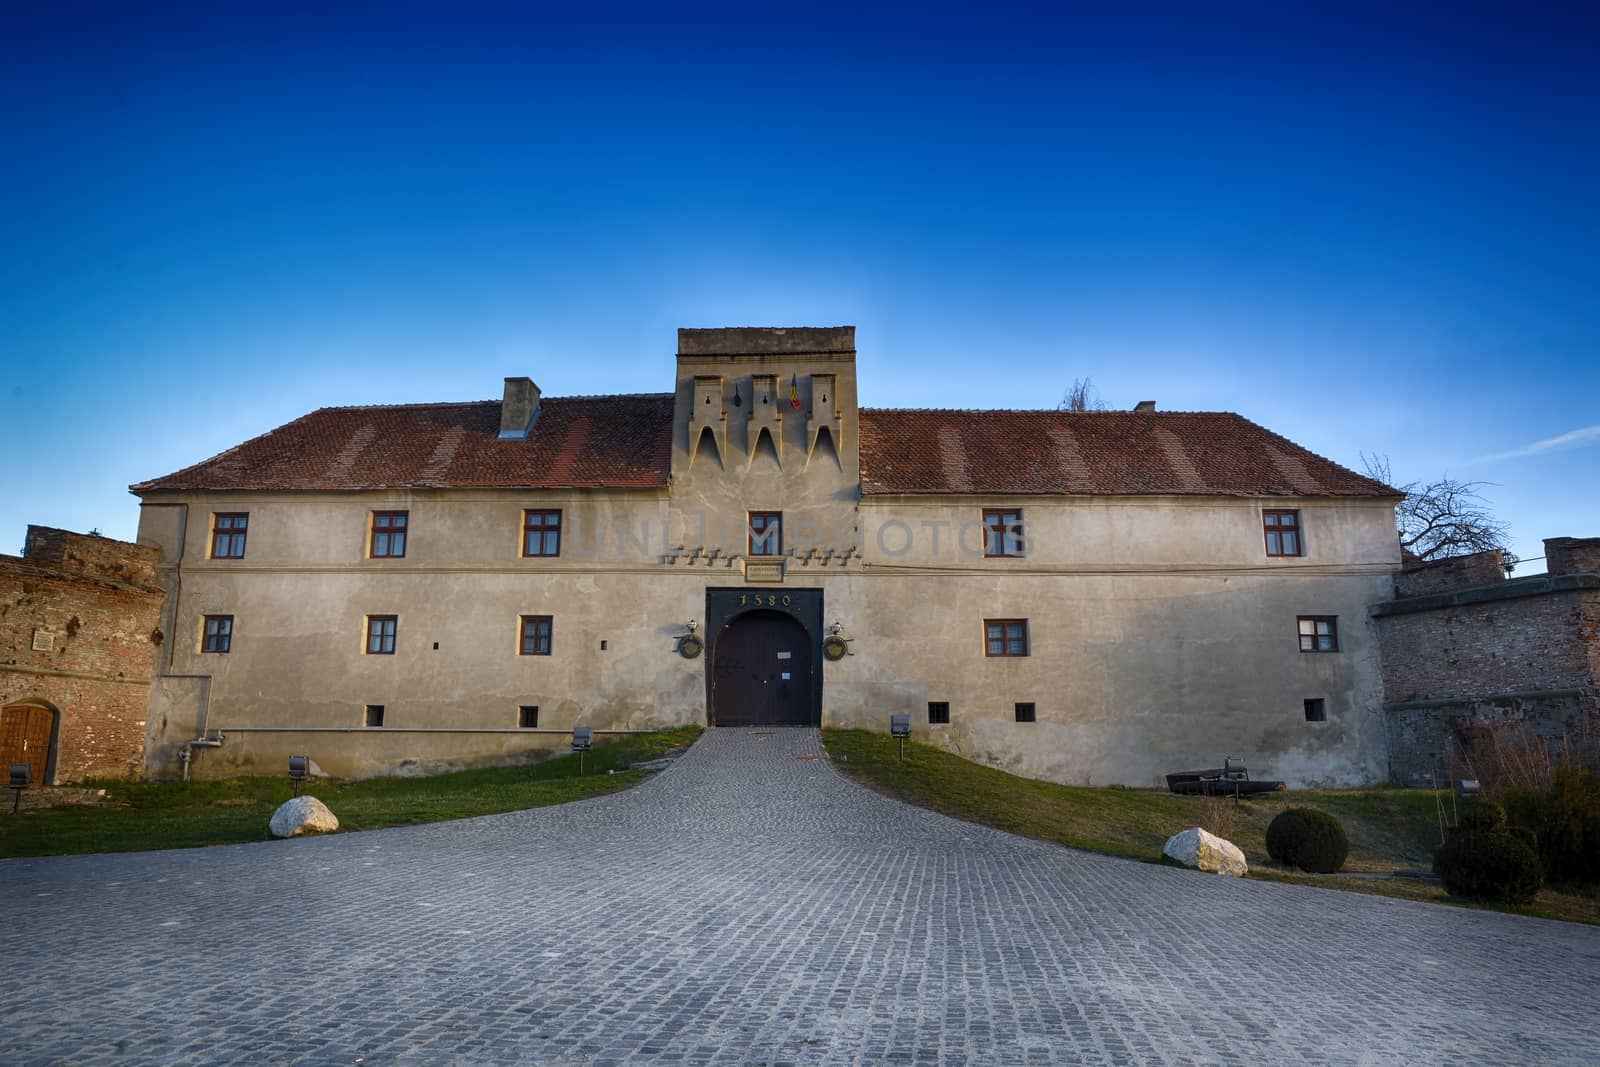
[938, 713]
[1005, 637]
[1283, 532]
[1002, 532]
[388, 540]
[228, 531]
[766, 533]
[1319, 633]
[535, 635]
[541, 532]
[381, 631]
[218, 634]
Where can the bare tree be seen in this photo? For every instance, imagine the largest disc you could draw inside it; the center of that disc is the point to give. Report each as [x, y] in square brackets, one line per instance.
[1083, 396]
[1444, 518]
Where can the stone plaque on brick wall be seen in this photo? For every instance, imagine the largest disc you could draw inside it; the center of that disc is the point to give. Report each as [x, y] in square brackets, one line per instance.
[769, 571]
[44, 641]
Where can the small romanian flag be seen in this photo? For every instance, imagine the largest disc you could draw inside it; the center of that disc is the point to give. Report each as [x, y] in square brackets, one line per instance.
[794, 392]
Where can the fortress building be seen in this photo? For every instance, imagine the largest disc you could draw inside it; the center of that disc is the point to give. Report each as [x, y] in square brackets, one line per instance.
[1093, 597]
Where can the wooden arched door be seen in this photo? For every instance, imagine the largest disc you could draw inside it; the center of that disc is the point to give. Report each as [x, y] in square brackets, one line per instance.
[27, 734]
[761, 672]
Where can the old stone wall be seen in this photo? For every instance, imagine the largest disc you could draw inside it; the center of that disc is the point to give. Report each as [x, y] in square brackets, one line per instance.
[1572, 555]
[1471, 668]
[82, 643]
[1446, 575]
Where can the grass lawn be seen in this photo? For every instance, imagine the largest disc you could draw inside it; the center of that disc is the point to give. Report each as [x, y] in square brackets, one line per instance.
[151, 815]
[1389, 829]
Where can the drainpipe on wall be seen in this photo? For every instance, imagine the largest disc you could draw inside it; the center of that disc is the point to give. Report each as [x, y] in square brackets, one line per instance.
[204, 738]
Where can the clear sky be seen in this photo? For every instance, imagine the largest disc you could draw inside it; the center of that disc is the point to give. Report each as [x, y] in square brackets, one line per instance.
[1367, 231]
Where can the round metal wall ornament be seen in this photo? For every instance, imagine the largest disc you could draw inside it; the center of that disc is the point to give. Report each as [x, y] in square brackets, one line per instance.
[834, 648]
[690, 646]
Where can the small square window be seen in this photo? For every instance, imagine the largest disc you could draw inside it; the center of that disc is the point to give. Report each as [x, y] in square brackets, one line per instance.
[219, 634]
[1316, 710]
[1025, 712]
[228, 532]
[1283, 532]
[1002, 532]
[374, 715]
[1005, 637]
[536, 631]
[381, 633]
[389, 534]
[766, 533]
[541, 532]
[528, 716]
[938, 713]
[1319, 633]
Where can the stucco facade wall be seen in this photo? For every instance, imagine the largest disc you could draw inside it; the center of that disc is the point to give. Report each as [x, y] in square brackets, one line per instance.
[1157, 643]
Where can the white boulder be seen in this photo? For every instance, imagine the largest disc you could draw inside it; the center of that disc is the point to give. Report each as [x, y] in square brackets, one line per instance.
[1206, 852]
[303, 815]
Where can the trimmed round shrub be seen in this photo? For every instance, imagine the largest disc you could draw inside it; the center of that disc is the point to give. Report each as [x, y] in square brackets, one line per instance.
[1482, 816]
[1309, 839]
[1489, 866]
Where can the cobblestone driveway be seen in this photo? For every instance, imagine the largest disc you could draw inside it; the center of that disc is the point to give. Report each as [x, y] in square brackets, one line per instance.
[750, 906]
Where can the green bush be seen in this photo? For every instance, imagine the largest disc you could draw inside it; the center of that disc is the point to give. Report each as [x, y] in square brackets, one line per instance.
[1565, 819]
[1482, 816]
[1311, 840]
[1489, 866]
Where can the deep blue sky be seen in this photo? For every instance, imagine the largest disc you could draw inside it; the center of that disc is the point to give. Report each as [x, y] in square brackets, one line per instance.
[1366, 231]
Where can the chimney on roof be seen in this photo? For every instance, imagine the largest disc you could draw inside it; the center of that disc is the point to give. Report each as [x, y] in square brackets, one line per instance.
[519, 409]
[1145, 405]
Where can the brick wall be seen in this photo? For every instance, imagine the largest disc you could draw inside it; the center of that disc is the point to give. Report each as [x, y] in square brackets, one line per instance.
[101, 654]
[1572, 555]
[1483, 657]
[1447, 575]
[91, 555]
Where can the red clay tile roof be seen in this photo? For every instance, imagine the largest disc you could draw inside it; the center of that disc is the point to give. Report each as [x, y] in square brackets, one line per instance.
[626, 442]
[1093, 452]
[577, 442]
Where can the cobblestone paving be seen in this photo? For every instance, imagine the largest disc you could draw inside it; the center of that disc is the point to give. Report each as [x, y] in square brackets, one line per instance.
[750, 906]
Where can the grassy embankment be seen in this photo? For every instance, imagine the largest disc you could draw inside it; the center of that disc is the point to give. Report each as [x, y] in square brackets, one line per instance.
[1389, 829]
[151, 815]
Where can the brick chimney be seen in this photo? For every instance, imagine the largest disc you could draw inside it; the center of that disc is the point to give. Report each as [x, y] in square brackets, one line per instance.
[519, 409]
[1571, 555]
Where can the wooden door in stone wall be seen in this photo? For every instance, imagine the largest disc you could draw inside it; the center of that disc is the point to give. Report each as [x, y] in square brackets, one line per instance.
[25, 731]
[761, 672]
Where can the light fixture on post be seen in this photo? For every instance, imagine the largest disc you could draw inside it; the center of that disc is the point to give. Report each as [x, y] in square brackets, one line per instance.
[582, 741]
[299, 771]
[900, 729]
[21, 778]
